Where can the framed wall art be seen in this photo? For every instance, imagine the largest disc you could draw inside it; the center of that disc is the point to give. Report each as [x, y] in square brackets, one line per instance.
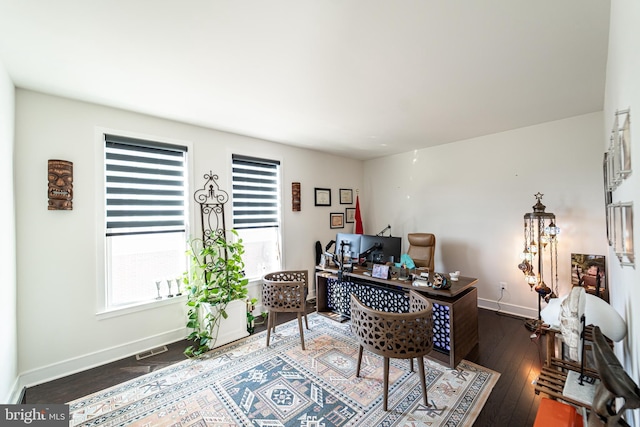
[621, 232]
[590, 272]
[608, 197]
[346, 196]
[323, 197]
[619, 151]
[350, 214]
[623, 143]
[336, 219]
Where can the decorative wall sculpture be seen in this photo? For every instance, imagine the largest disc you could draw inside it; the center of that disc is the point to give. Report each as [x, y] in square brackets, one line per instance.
[295, 197]
[60, 185]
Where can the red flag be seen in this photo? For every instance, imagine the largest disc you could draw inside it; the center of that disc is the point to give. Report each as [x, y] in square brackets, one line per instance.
[358, 227]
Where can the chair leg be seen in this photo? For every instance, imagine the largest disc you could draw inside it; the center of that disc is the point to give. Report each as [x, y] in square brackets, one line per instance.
[306, 322]
[359, 361]
[411, 364]
[301, 330]
[423, 379]
[269, 321]
[273, 314]
[386, 383]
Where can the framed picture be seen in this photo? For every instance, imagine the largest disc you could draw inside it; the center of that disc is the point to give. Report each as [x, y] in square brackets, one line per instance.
[610, 223]
[621, 228]
[589, 271]
[323, 196]
[608, 196]
[619, 152]
[623, 142]
[350, 213]
[380, 271]
[346, 196]
[612, 175]
[336, 219]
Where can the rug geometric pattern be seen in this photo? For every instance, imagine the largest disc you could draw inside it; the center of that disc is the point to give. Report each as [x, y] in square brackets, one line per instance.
[246, 383]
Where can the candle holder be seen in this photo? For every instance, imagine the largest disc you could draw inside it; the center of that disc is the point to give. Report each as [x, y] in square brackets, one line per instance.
[170, 295]
[158, 288]
[178, 287]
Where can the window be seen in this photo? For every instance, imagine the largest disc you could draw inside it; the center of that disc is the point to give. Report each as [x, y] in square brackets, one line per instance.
[146, 219]
[256, 212]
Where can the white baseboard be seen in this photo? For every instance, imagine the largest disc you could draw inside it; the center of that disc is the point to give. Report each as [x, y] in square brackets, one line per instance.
[14, 393]
[91, 360]
[516, 310]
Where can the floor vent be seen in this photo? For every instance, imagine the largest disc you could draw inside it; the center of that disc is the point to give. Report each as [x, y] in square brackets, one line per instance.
[151, 352]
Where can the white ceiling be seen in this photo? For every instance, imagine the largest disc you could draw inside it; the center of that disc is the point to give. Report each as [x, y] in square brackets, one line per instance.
[358, 78]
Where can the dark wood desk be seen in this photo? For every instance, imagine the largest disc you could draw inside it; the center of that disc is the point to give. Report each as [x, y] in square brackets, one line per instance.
[455, 310]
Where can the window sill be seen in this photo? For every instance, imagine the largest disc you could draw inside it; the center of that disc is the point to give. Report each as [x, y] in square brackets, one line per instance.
[150, 305]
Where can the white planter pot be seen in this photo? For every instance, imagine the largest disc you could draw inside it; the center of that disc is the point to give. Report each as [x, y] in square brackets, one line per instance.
[233, 327]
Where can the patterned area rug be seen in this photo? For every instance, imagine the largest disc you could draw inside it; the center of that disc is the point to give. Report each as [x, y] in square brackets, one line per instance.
[247, 384]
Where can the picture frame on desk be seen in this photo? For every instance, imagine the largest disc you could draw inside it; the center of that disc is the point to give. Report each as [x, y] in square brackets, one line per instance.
[380, 271]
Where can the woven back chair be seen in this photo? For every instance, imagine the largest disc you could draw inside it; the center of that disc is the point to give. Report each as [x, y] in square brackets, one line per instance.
[395, 335]
[285, 291]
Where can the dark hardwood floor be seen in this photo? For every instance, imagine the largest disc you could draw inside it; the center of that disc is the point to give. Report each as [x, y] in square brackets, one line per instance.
[505, 346]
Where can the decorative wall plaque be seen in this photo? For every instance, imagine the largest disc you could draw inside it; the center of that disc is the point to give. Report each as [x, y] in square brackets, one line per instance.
[295, 196]
[60, 185]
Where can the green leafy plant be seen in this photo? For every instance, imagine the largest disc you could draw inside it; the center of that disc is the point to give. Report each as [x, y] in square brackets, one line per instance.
[253, 320]
[216, 277]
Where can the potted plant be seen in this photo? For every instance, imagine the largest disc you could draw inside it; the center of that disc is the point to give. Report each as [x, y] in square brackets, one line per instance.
[214, 283]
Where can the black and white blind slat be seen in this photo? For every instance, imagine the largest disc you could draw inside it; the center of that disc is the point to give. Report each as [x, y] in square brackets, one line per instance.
[255, 192]
[145, 186]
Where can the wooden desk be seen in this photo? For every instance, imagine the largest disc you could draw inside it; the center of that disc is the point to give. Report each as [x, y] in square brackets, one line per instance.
[455, 310]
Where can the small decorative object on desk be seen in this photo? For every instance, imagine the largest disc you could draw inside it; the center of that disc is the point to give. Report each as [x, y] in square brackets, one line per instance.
[380, 271]
[455, 275]
[440, 282]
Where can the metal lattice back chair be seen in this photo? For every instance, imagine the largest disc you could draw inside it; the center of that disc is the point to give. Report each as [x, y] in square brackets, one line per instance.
[395, 335]
[285, 291]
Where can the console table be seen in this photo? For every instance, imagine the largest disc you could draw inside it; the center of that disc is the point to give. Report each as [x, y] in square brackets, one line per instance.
[455, 310]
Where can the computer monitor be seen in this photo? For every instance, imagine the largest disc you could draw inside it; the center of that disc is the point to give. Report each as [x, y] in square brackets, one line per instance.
[380, 249]
[348, 246]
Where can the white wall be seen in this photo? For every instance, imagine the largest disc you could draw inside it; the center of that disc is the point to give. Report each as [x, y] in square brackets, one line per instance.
[57, 254]
[623, 91]
[8, 330]
[473, 195]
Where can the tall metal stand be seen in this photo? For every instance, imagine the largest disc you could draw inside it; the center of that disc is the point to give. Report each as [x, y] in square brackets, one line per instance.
[211, 200]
